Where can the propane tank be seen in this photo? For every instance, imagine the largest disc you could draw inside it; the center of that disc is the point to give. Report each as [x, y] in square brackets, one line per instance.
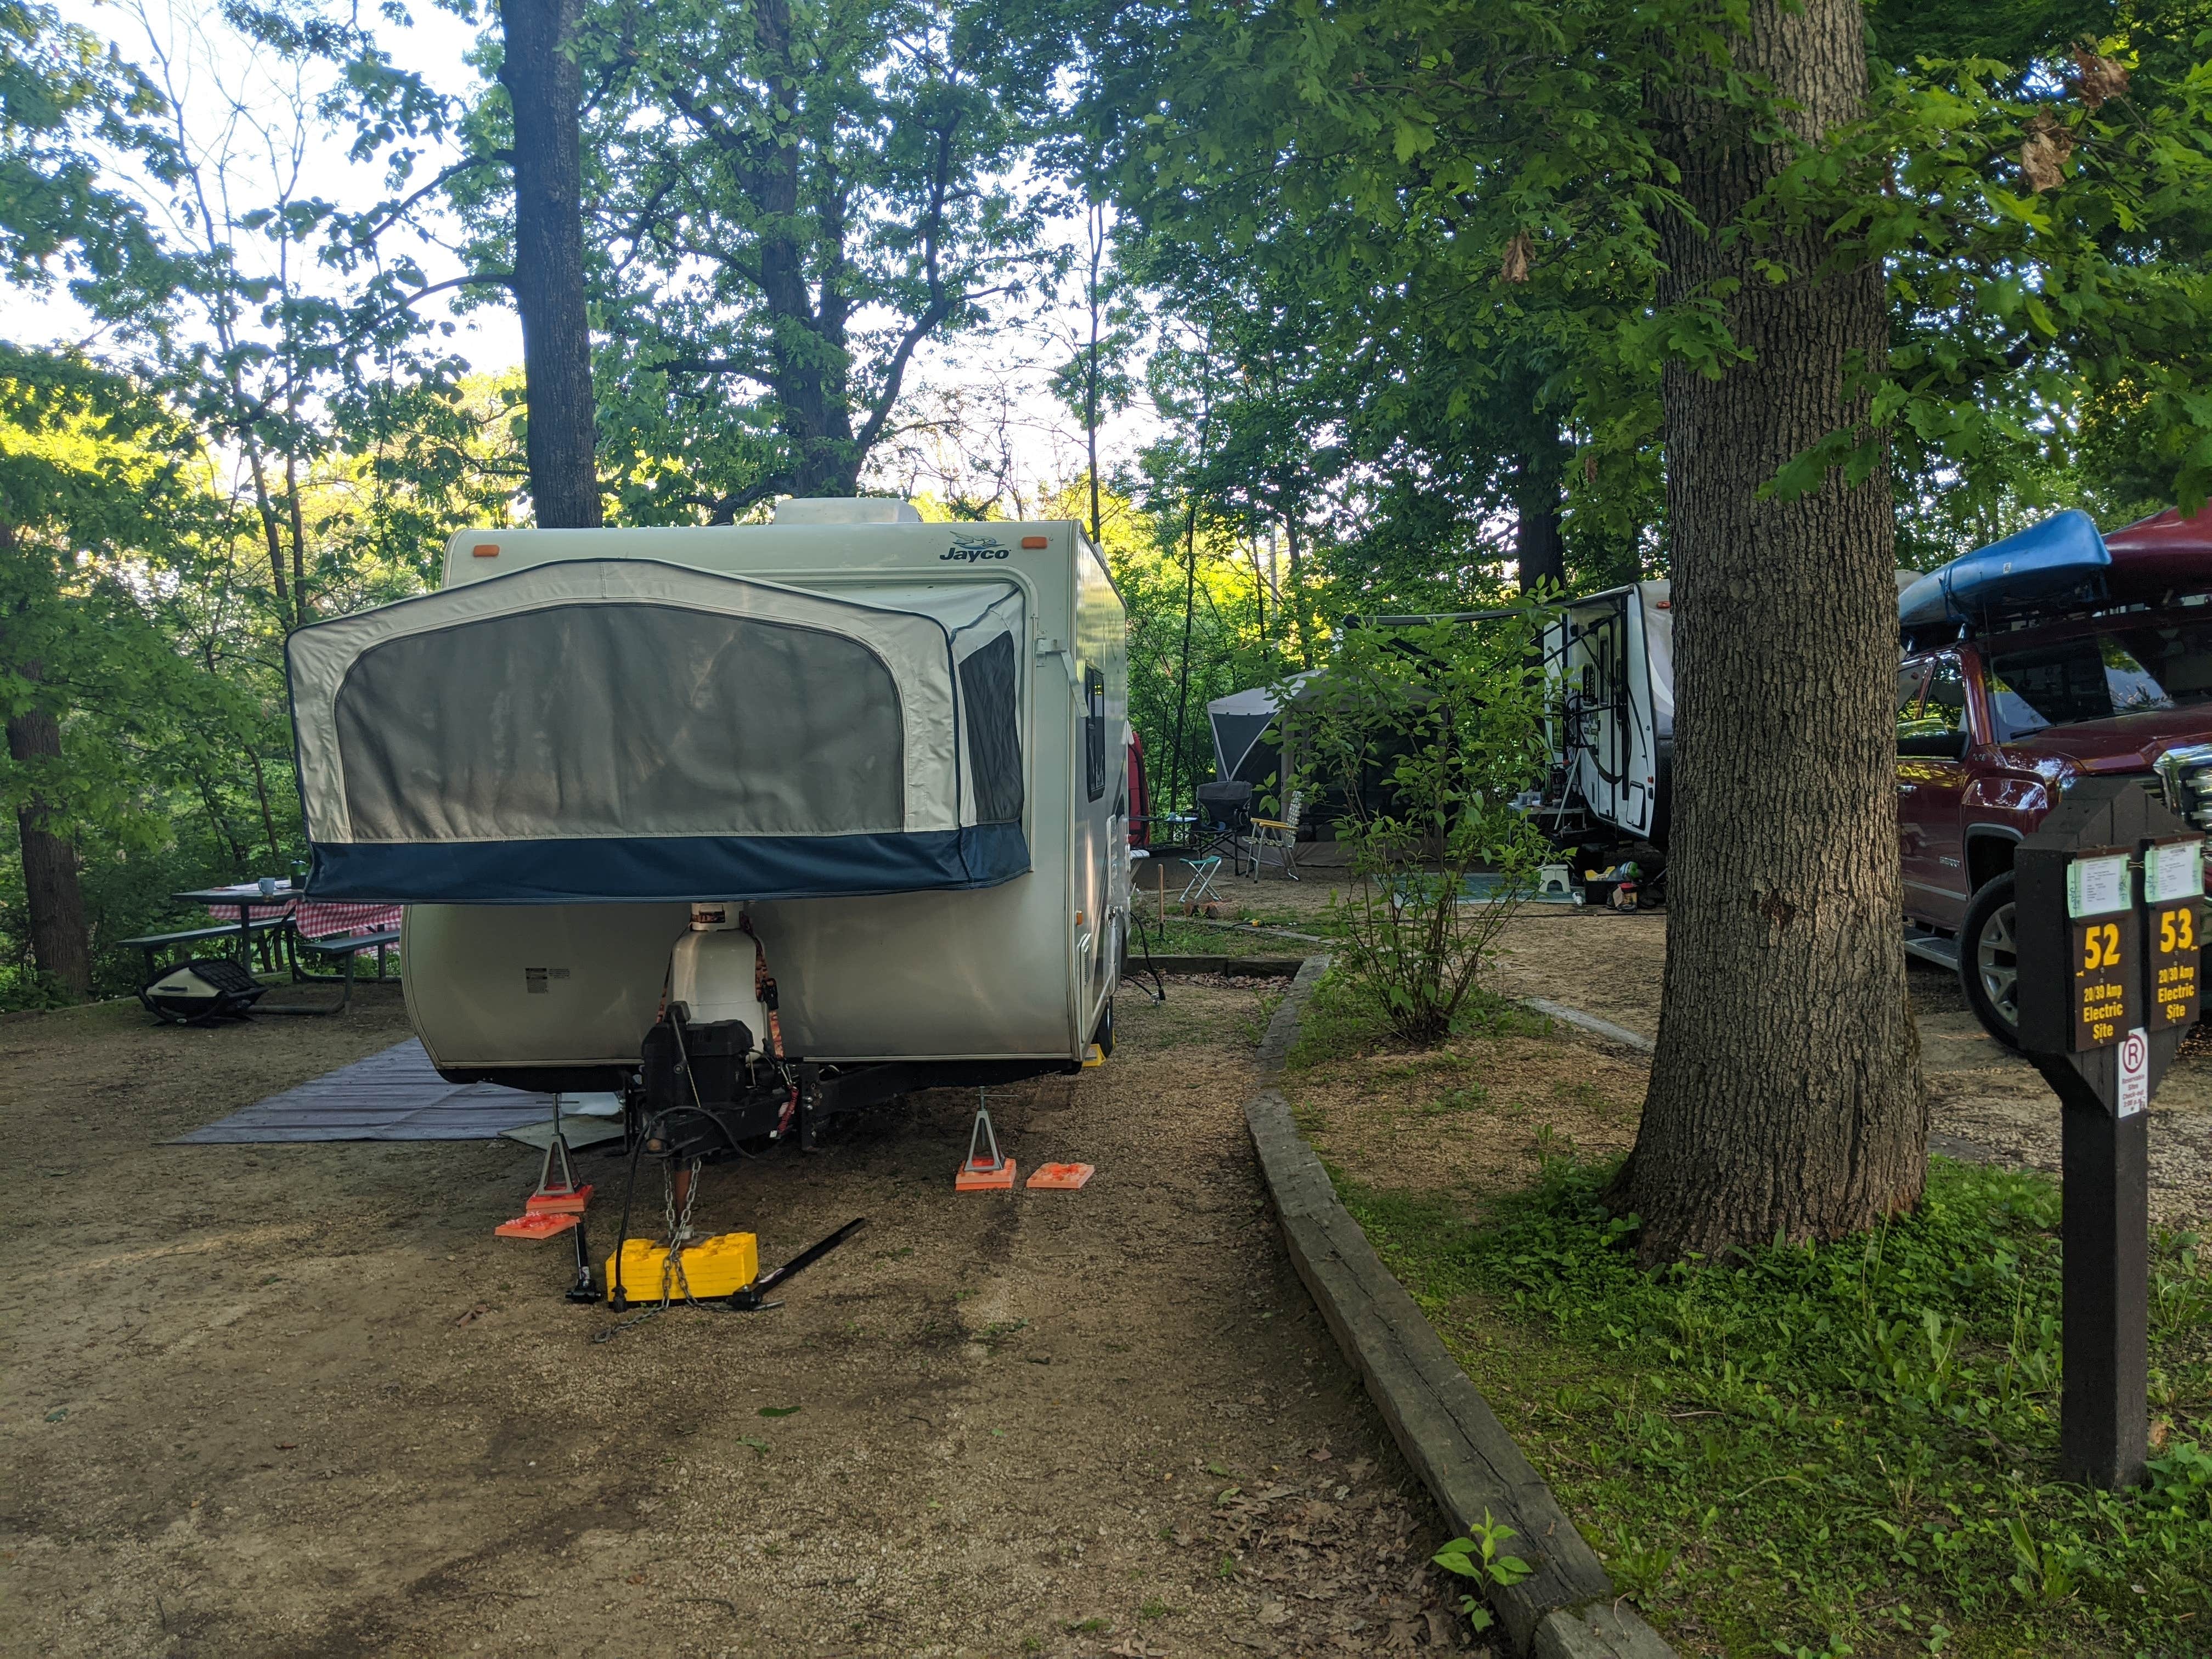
[712, 972]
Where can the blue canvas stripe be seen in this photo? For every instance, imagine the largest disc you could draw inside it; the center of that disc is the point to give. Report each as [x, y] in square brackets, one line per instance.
[644, 869]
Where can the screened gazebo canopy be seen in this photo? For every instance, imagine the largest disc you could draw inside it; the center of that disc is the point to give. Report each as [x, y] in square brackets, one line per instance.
[617, 730]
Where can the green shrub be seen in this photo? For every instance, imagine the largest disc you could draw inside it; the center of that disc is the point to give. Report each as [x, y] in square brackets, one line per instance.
[1426, 735]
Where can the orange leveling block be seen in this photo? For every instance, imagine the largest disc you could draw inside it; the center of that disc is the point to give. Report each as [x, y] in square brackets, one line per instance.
[1059, 1177]
[556, 1207]
[995, 1174]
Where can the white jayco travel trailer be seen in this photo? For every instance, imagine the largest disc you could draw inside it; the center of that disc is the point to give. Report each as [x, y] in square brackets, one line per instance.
[768, 820]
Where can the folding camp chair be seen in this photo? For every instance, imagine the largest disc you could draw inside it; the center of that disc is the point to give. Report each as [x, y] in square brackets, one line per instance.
[1200, 888]
[1279, 837]
[1225, 818]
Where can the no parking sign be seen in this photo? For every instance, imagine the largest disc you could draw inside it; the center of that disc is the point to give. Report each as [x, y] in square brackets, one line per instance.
[2134, 1094]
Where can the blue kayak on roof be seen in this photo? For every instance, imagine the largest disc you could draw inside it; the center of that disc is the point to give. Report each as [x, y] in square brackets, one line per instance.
[2063, 558]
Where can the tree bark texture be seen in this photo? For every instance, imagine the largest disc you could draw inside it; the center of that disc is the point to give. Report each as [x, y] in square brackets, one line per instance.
[60, 945]
[1786, 1094]
[544, 86]
[1537, 549]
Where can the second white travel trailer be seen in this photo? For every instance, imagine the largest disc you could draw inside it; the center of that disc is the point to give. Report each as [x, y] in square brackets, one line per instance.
[1610, 661]
[1609, 658]
[835, 806]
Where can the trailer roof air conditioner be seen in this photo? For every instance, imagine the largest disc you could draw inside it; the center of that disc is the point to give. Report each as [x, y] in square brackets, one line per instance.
[845, 509]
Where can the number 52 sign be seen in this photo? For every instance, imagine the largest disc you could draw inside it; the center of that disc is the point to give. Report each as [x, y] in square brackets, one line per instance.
[2100, 913]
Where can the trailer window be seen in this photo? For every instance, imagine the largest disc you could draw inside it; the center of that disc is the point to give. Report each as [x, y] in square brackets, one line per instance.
[1094, 732]
[994, 743]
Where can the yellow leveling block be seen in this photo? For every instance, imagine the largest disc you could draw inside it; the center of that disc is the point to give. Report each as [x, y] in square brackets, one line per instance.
[713, 1267]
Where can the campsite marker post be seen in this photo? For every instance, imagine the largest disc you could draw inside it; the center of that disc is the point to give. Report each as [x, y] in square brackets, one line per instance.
[2108, 922]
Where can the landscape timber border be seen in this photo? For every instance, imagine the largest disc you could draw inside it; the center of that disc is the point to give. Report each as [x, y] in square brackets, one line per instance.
[1251, 966]
[1566, 1609]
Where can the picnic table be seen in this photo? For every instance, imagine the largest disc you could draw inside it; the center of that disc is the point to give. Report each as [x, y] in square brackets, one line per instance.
[281, 917]
[243, 898]
[217, 900]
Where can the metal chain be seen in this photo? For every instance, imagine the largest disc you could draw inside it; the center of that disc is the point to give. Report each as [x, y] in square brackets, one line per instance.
[671, 1270]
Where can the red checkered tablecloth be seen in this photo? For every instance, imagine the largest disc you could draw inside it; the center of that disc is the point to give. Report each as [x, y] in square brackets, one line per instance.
[315, 918]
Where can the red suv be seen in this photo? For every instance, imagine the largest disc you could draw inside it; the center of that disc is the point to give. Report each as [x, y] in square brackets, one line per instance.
[2019, 677]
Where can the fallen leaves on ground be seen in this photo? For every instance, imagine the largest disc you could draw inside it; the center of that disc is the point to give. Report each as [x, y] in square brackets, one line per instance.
[1332, 1566]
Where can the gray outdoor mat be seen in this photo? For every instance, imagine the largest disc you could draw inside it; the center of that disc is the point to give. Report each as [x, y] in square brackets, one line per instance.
[393, 1096]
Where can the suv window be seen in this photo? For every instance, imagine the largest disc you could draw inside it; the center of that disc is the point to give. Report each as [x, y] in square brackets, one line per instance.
[1910, 678]
[2097, 676]
[1946, 697]
[1931, 709]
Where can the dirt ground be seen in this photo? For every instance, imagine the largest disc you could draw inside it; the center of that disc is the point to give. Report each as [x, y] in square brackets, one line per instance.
[297, 1400]
[1473, 1120]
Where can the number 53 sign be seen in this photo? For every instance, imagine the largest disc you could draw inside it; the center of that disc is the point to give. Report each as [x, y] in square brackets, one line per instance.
[2174, 887]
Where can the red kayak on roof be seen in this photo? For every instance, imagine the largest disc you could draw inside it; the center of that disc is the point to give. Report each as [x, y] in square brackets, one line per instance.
[2163, 554]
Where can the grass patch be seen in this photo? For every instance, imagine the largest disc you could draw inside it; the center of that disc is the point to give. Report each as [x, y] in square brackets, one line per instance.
[1321, 920]
[1466, 1097]
[1181, 937]
[1341, 1019]
[1849, 1448]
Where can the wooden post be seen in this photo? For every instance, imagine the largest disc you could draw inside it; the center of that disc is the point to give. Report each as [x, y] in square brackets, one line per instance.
[2103, 1411]
[2108, 918]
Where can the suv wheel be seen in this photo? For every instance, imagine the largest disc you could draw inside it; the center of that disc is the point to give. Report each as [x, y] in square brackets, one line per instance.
[1988, 960]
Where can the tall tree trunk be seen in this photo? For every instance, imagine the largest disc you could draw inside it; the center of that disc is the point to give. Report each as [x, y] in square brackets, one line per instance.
[220, 824]
[544, 85]
[267, 507]
[1183, 668]
[1098, 230]
[1300, 623]
[299, 539]
[268, 816]
[1537, 549]
[61, 945]
[1786, 1097]
[60, 942]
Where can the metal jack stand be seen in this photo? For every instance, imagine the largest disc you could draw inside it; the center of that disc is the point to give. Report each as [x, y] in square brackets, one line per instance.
[995, 1174]
[751, 1299]
[558, 1206]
